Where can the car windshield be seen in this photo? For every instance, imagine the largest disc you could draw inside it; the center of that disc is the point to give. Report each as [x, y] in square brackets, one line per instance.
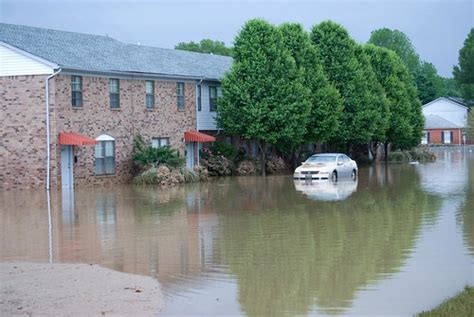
[321, 159]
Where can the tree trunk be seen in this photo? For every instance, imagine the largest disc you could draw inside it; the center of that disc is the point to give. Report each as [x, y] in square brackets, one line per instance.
[373, 148]
[263, 150]
[386, 150]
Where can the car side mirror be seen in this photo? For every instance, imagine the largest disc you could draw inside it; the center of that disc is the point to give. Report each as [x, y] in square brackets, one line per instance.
[340, 163]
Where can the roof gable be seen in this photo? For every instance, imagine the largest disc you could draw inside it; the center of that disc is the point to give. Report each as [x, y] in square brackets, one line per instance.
[434, 121]
[89, 52]
[452, 101]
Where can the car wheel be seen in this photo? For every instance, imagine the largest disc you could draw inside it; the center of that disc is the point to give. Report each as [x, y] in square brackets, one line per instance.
[334, 176]
[354, 175]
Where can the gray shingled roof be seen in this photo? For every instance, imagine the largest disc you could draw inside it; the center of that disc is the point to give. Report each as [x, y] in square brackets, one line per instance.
[101, 53]
[434, 121]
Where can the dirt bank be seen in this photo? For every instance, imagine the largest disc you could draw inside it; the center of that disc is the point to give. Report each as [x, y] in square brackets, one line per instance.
[75, 290]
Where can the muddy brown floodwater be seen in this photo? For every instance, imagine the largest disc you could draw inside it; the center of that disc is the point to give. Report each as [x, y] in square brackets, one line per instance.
[398, 241]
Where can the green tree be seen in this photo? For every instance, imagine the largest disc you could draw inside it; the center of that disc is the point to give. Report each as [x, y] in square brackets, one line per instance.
[326, 102]
[264, 97]
[464, 72]
[429, 84]
[403, 131]
[350, 72]
[205, 46]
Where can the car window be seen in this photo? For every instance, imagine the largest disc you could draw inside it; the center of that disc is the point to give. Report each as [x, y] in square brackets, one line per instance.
[347, 159]
[321, 159]
[340, 159]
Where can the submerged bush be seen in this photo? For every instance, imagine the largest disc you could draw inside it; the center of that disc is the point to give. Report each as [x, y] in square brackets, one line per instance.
[419, 155]
[275, 165]
[247, 167]
[145, 155]
[218, 165]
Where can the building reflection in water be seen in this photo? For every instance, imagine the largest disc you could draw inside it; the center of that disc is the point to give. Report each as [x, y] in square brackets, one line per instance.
[288, 251]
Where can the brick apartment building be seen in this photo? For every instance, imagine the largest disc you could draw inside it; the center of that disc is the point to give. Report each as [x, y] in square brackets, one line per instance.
[94, 94]
[445, 122]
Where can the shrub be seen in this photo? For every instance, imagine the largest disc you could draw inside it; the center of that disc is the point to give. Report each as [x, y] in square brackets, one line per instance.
[218, 165]
[202, 173]
[275, 164]
[246, 167]
[144, 155]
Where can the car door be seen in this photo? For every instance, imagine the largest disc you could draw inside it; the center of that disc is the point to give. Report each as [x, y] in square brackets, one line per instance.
[341, 172]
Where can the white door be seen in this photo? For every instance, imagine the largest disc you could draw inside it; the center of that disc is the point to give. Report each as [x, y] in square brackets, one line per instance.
[190, 155]
[67, 178]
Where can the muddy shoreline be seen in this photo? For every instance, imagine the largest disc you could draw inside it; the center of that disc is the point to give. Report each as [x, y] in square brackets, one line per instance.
[75, 290]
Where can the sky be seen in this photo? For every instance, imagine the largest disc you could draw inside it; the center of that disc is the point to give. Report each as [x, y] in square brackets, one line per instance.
[437, 28]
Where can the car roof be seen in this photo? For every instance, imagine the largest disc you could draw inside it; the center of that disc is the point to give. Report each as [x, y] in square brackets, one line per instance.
[328, 154]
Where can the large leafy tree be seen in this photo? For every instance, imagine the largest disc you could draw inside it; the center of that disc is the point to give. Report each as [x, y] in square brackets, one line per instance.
[205, 46]
[464, 72]
[404, 127]
[264, 96]
[429, 84]
[326, 102]
[347, 69]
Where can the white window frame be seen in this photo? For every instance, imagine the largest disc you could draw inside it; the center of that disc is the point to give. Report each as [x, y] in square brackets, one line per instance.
[160, 142]
[447, 137]
[105, 155]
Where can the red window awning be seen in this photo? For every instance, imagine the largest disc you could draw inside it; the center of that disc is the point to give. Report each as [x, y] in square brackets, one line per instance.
[194, 136]
[75, 139]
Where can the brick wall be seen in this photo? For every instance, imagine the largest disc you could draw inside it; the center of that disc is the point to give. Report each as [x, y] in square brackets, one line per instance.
[436, 138]
[22, 101]
[22, 132]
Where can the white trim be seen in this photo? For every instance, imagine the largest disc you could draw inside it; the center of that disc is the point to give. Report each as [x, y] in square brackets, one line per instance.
[104, 137]
[445, 99]
[29, 55]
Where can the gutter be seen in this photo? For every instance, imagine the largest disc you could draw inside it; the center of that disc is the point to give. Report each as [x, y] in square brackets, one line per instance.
[48, 134]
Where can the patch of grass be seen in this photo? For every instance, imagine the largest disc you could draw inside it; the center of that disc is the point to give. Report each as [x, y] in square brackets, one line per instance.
[460, 305]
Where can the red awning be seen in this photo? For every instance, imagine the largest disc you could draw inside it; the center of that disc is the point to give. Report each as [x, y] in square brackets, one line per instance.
[75, 139]
[194, 136]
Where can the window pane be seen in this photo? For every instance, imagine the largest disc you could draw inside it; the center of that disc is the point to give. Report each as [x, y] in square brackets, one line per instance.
[180, 89]
[150, 101]
[164, 142]
[109, 165]
[114, 100]
[212, 92]
[109, 148]
[149, 87]
[99, 149]
[155, 143]
[199, 97]
[180, 102]
[114, 85]
[99, 166]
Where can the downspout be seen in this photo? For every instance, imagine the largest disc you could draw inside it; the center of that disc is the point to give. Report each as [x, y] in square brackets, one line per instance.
[48, 136]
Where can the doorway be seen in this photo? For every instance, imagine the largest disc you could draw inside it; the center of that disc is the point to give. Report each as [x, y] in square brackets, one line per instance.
[67, 165]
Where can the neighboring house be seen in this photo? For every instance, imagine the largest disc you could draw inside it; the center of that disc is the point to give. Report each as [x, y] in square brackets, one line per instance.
[93, 94]
[445, 121]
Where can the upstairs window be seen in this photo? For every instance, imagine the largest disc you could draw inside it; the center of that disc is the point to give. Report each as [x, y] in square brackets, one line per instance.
[199, 97]
[180, 95]
[159, 142]
[150, 94]
[105, 155]
[76, 88]
[114, 92]
[212, 98]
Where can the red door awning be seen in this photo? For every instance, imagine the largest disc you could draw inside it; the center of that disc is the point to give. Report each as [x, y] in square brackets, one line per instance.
[75, 139]
[194, 136]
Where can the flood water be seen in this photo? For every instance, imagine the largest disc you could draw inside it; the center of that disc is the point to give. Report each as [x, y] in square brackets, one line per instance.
[397, 241]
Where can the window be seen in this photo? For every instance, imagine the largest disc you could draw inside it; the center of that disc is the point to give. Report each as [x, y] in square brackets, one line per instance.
[150, 94]
[212, 98]
[159, 142]
[76, 88]
[180, 95]
[114, 91]
[105, 155]
[447, 137]
[199, 97]
[425, 138]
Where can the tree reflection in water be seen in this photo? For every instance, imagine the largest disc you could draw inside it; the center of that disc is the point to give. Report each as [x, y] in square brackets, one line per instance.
[289, 253]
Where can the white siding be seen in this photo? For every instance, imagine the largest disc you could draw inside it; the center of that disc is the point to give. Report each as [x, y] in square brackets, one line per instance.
[206, 120]
[13, 63]
[448, 110]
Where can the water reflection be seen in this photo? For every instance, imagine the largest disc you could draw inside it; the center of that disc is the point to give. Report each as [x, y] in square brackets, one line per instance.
[303, 253]
[326, 190]
[264, 246]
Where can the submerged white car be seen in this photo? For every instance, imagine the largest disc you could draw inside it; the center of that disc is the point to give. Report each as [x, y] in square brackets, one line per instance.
[327, 166]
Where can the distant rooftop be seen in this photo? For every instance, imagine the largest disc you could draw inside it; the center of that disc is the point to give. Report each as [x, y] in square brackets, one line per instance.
[434, 121]
[79, 51]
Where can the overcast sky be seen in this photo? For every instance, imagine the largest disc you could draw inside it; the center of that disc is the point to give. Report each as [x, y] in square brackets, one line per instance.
[436, 28]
